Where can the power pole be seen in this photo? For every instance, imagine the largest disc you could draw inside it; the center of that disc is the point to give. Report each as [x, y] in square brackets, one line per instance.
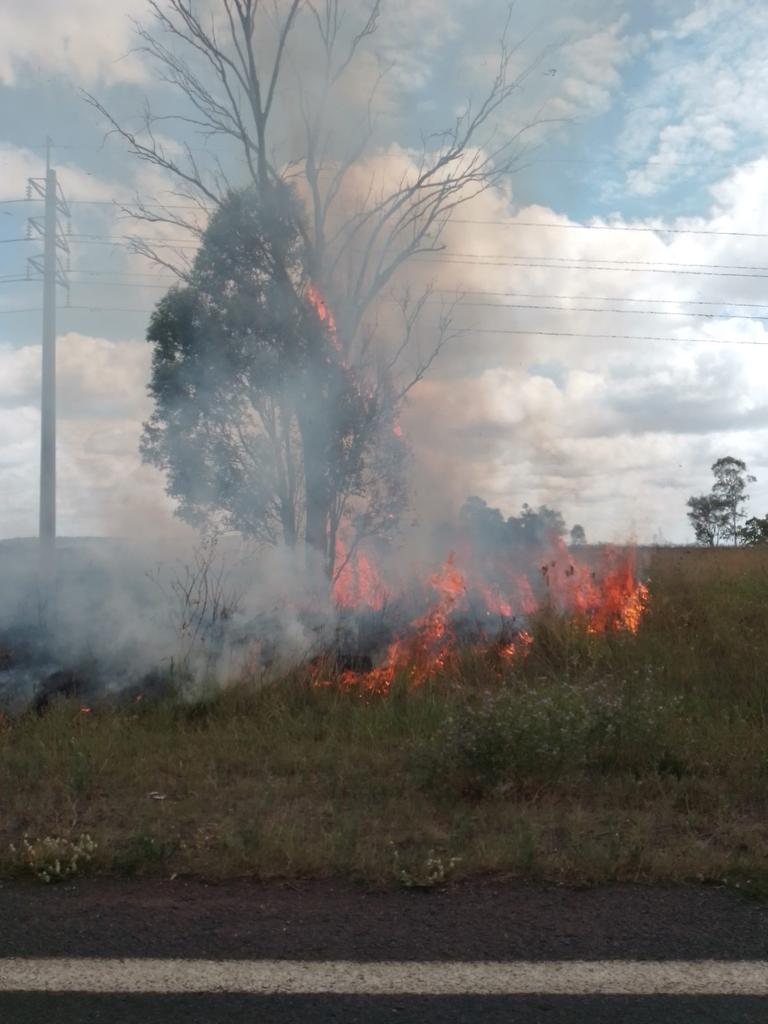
[52, 273]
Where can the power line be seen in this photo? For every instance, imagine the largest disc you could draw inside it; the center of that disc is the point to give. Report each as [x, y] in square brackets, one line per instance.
[126, 273]
[617, 337]
[500, 294]
[526, 306]
[630, 312]
[483, 330]
[126, 284]
[599, 259]
[89, 309]
[610, 227]
[483, 260]
[660, 230]
[614, 270]
[605, 298]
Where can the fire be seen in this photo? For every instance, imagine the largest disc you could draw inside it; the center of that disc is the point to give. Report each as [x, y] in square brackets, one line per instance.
[609, 598]
[518, 647]
[428, 642]
[612, 600]
[324, 314]
[357, 583]
[495, 603]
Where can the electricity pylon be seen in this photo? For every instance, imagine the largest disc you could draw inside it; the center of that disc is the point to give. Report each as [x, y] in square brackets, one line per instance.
[53, 272]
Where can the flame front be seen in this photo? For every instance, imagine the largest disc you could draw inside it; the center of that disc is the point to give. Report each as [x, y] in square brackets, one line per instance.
[428, 642]
[608, 599]
[612, 599]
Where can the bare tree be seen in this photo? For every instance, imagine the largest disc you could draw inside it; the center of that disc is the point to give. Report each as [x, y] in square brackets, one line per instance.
[234, 87]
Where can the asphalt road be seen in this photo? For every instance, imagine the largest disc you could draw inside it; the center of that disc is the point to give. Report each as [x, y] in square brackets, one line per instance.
[480, 924]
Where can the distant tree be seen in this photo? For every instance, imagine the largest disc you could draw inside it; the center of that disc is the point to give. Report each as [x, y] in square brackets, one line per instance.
[536, 526]
[578, 534]
[707, 517]
[730, 487]
[489, 531]
[755, 531]
[485, 525]
[716, 517]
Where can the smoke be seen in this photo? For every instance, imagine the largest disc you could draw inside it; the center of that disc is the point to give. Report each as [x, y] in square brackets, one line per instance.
[500, 412]
[120, 612]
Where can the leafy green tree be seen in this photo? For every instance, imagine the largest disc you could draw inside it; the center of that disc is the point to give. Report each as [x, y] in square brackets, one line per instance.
[730, 488]
[288, 92]
[716, 517]
[578, 534]
[707, 517]
[488, 530]
[486, 526]
[755, 531]
[259, 422]
[536, 526]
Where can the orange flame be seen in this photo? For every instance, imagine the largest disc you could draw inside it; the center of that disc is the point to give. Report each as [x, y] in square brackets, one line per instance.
[324, 314]
[615, 600]
[495, 604]
[428, 642]
[518, 647]
[612, 599]
[358, 583]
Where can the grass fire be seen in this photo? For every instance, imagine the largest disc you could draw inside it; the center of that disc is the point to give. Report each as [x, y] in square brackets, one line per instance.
[609, 732]
[374, 525]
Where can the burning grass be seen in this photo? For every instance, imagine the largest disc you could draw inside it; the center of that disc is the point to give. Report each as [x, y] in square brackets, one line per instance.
[595, 755]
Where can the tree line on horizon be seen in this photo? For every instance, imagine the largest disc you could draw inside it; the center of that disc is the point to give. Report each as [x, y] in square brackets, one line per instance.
[488, 529]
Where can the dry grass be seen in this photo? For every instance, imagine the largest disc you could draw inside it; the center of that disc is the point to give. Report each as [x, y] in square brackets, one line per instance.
[596, 758]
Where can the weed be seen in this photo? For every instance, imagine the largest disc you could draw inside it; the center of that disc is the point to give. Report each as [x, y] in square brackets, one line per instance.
[53, 858]
[139, 852]
[422, 871]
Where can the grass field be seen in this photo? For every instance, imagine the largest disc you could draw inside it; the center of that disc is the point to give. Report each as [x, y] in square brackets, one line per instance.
[596, 757]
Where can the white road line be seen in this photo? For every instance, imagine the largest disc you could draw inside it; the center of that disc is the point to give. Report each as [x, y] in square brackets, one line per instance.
[339, 977]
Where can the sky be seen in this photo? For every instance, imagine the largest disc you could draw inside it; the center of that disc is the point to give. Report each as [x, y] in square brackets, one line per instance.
[610, 312]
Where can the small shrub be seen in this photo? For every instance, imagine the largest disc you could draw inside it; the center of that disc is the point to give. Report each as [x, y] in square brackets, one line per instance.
[53, 858]
[423, 872]
[536, 736]
[140, 851]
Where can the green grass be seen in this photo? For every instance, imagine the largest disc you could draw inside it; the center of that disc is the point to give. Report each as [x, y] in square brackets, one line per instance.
[595, 758]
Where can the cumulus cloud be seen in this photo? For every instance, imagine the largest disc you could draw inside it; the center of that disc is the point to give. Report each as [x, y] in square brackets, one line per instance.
[704, 100]
[540, 397]
[86, 40]
[617, 432]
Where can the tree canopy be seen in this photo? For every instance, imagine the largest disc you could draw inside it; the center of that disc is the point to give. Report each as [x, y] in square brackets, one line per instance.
[488, 529]
[259, 422]
[265, 416]
[717, 517]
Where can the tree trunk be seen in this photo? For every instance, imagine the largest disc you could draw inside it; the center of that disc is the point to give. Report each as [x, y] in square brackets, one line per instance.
[316, 491]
